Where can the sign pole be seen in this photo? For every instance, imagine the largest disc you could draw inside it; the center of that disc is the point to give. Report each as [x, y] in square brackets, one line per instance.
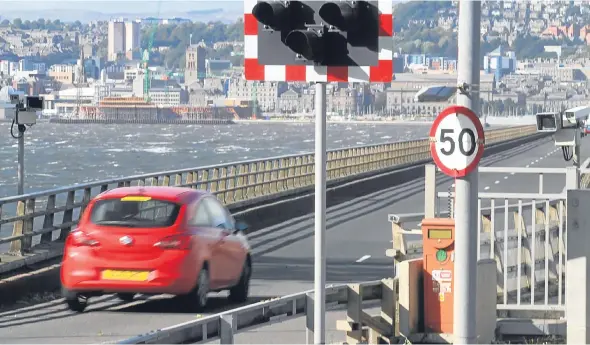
[319, 312]
[466, 188]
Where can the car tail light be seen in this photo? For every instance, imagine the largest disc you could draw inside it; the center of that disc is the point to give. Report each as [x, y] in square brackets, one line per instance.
[182, 242]
[80, 239]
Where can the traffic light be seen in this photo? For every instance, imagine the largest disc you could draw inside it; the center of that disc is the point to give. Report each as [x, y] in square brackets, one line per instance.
[334, 33]
[308, 44]
[273, 15]
[358, 19]
[318, 41]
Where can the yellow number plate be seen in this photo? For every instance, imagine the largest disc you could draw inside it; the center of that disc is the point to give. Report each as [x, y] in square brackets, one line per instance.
[136, 276]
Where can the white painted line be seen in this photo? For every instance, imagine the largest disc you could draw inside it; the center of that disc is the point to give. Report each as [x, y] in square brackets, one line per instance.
[453, 185]
[505, 177]
[486, 188]
[537, 161]
[541, 158]
[363, 258]
[497, 182]
[526, 166]
[513, 173]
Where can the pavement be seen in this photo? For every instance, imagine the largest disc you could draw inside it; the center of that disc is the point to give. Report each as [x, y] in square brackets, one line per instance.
[358, 234]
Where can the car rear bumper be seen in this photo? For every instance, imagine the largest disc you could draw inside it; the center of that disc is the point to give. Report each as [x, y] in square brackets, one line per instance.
[160, 285]
[177, 276]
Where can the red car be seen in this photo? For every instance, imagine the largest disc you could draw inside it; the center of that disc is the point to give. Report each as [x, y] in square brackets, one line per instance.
[156, 240]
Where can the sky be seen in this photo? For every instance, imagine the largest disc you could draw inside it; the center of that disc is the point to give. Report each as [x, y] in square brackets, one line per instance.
[106, 6]
[88, 10]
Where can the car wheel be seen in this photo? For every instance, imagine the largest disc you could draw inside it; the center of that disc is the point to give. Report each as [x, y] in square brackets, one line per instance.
[77, 303]
[127, 297]
[201, 291]
[239, 293]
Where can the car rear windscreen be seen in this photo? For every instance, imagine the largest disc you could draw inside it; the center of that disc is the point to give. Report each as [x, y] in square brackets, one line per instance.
[135, 212]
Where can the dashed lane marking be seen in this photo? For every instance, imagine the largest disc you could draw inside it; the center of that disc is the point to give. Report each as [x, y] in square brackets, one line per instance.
[363, 258]
[527, 166]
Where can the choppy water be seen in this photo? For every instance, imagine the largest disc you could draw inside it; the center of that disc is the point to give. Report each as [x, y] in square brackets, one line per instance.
[58, 155]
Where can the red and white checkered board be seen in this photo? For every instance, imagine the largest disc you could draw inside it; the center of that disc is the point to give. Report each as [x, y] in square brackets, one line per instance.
[382, 73]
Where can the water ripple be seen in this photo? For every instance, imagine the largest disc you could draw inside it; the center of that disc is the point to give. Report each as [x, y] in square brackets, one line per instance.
[58, 155]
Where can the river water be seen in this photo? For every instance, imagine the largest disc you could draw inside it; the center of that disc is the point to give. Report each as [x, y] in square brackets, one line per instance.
[59, 155]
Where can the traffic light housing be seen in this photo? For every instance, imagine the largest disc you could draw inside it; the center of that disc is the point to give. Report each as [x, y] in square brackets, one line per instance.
[321, 33]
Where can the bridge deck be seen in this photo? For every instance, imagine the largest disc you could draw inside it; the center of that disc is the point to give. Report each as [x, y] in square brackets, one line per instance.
[283, 261]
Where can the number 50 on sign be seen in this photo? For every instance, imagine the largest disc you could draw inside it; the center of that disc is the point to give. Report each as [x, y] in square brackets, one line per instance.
[457, 141]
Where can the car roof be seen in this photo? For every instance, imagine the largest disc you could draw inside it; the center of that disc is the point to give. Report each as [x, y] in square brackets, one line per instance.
[172, 194]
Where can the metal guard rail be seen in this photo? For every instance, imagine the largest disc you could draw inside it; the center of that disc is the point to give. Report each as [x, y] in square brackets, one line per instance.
[225, 324]
[236, 184]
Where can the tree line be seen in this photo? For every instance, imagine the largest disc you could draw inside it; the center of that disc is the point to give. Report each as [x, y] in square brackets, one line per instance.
[176, 37]
[41, 24]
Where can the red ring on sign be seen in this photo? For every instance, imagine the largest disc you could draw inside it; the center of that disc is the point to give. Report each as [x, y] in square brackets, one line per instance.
[457, 109]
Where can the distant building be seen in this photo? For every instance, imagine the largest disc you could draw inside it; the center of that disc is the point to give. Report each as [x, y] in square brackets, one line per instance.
[216, 67]
[427, 62]
[132, 39]
[195, 69]
[25, 65]
[116, 40]
[63, 73]
[500, 62]
[88, 50]
[123, 39]
[8, 68]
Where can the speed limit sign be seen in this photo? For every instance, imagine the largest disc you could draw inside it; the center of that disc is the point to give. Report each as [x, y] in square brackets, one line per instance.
[456, 141]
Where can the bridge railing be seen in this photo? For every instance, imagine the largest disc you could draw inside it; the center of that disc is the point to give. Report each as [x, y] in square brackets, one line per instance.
[225, 325]
[523, 232]
[46, 216]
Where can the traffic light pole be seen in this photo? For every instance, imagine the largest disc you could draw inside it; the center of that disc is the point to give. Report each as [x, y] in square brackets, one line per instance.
[466, 188]
[319, 312]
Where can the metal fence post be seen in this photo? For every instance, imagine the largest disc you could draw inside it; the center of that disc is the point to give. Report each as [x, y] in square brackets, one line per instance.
[466, 188]
[319, 296]
[577, 293]
[429, 190]
[309, 312]
[226, 329]
[572, 178]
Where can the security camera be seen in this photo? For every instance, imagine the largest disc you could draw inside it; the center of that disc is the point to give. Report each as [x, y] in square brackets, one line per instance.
[566, 137]
[392, 218]
[576, 117]
[34, 103]
[549, 122]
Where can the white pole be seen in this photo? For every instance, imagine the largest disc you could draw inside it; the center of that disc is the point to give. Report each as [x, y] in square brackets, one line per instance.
[20, 170]
[319, 316]
[464, 323]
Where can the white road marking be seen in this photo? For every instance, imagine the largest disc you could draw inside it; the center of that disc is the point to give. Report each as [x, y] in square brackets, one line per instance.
[486, 188]
[363, 258]
[511, 173]
[497, 182]
[527, 166]
[506, 177]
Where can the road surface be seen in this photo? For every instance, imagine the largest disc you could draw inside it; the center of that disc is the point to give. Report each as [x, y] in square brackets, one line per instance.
[357, 237]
